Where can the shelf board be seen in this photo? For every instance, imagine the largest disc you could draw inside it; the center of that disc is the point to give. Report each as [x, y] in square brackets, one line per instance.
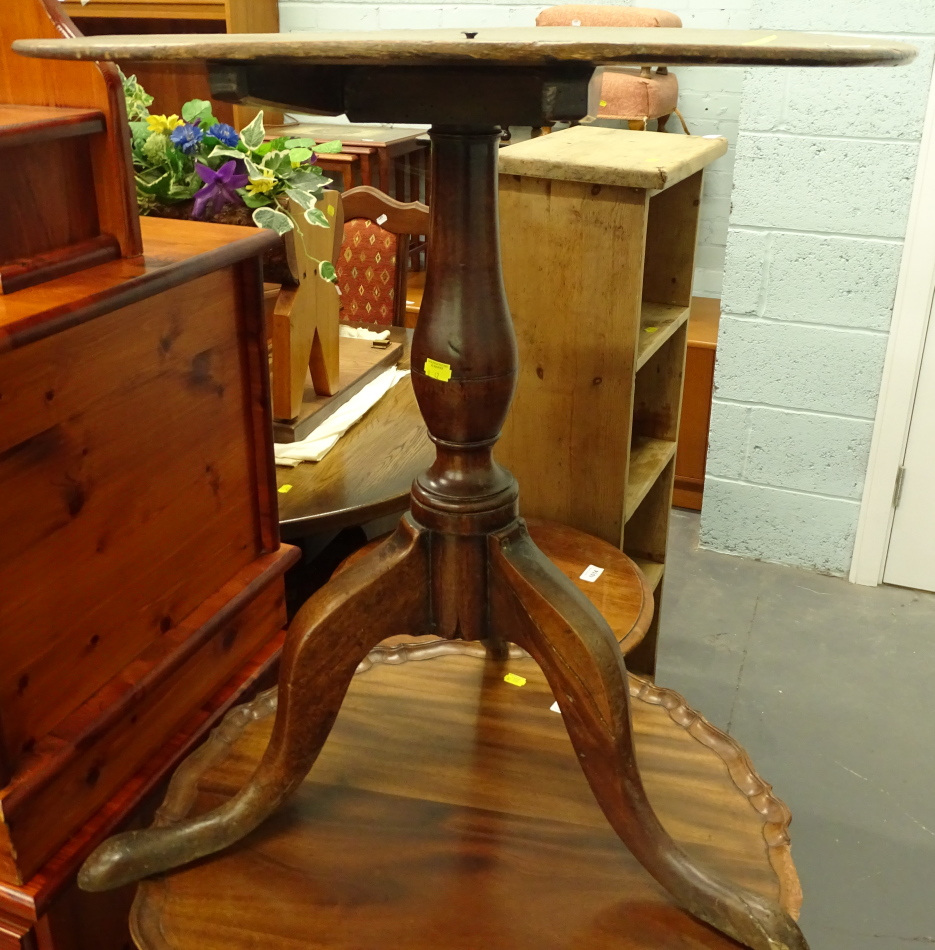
[148, 9]
[652, 569]
[26, 125]
[648, 458]
[666, 318]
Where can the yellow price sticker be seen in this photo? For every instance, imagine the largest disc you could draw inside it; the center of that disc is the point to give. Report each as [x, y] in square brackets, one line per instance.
[284, 488]
[437, 370]
[330, 209]
[514, 680]
[603, 103]
[650, 329]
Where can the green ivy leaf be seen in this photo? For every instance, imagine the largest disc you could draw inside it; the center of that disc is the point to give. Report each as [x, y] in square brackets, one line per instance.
[310, 179]
[158, 186]
[303, 198]
[299, 143]
[327, 272]
[197, 109]
[273, 220]
[278, 163]
[278, 144]
[223, 151]
[329, 148]
[254, 201]
[299, 155]
[252, 169]
[314, 216]
[252, 135]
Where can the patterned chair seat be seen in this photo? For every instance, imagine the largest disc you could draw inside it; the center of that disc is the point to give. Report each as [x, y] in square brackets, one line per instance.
[366, 269]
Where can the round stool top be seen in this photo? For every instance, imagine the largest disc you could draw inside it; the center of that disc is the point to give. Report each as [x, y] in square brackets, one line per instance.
[620, 591]
[534, 46]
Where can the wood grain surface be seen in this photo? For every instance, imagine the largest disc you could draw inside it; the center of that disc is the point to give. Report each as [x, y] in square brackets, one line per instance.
[92, 86]
[174, 252]
[153, 589]
[612, 157]
[359, 363]
[510, 46]
[573, 267]
[367, 475]
[447, 811]
[25, 125]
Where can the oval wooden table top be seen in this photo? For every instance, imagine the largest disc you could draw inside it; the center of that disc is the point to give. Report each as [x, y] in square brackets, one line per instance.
[447, 812]
[620, 593]
[366, 475]
[523, 46]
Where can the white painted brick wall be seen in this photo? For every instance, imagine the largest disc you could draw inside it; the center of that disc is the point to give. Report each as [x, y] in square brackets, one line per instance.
[709, 97]
[824, 166]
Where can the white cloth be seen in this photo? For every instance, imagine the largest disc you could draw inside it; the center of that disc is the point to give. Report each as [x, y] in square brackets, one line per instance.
[316, 445]
[362, 333]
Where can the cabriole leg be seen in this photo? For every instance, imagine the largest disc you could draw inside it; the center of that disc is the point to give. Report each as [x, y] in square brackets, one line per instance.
[335, 630]
[534, 604]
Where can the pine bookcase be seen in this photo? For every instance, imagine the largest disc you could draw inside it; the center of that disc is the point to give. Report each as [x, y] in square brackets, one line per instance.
[598, 228]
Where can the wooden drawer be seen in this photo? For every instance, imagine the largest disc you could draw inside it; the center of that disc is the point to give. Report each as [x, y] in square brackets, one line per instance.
[93, 752]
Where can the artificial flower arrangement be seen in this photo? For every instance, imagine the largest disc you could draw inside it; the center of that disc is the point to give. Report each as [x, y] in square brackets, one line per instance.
[194, 158]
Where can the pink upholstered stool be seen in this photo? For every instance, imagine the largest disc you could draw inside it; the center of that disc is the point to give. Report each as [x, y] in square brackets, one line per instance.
[633, 95]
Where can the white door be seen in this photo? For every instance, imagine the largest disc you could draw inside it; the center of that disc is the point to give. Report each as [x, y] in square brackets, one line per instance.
[910, 559]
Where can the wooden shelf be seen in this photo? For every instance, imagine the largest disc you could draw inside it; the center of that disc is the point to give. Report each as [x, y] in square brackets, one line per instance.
[648, 459]
[652, 569]
[592, 432]
[148, 10]
[665, 318]
[26, 125]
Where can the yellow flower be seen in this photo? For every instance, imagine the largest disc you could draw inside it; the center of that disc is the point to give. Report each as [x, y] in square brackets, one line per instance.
[162, 123]
[259, 186]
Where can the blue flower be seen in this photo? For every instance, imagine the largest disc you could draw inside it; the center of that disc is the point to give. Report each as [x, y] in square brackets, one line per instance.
[224, 133]
[186, 138]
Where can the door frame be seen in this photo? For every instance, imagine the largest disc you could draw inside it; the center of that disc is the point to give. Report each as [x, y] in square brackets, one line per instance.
[912, 308]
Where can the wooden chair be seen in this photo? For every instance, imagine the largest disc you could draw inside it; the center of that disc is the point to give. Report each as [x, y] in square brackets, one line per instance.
[372, 268]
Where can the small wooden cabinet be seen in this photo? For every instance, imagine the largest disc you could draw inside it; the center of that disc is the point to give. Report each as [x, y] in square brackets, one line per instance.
[173, 84]
[598, 228]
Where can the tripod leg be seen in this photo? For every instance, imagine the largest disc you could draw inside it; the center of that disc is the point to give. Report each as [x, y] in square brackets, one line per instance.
[331, 634]
[536, 606]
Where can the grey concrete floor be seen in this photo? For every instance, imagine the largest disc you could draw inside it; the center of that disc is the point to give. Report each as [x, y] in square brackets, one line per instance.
[829, 688]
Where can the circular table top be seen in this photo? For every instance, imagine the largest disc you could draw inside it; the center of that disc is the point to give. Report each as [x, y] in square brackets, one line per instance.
[367, 475]
[535, 46]
[448, 810]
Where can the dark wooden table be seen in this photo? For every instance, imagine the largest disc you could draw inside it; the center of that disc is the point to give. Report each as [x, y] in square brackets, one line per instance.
[461, 566]
[368, 474]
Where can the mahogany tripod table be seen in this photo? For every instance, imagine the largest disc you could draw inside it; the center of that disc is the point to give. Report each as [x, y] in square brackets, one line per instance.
[461, 564]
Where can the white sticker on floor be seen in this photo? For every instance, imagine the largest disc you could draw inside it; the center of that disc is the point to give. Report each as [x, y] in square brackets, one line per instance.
[592, 573]
[554, 707]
